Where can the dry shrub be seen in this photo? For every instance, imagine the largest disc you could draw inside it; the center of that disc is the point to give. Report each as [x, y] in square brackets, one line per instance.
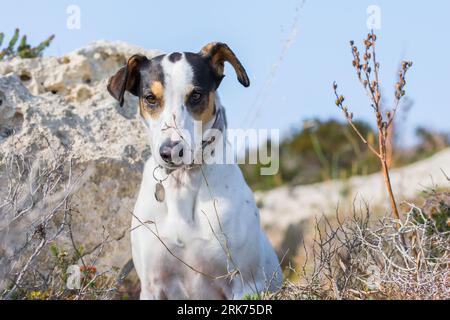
[364, 258]
[36, 240]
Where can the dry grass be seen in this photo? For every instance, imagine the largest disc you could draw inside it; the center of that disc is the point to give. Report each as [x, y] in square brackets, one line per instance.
[364, 258]
[35, 213]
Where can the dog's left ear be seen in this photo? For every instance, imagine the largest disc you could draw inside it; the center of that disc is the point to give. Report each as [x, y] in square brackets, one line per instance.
[126, 79]
[217, 53]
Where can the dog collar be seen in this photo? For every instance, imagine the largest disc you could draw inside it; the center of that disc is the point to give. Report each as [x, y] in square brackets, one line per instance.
[219, 124]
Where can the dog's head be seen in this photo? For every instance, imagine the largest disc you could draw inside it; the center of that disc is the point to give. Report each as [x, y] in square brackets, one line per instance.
[176, 93]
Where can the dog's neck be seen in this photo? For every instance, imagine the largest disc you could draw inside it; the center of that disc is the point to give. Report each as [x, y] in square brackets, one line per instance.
[181, 188]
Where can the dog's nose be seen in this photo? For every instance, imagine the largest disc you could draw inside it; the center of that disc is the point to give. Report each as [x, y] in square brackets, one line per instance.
[167, 149]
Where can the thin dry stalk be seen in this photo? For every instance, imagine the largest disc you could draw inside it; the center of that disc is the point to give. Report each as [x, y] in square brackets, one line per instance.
[367, 71]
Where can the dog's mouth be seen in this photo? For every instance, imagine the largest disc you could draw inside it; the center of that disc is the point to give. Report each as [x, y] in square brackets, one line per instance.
[173, 166]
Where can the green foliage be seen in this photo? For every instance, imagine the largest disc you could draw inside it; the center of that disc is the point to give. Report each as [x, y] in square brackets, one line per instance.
[23, 50]
[321, 150]
[430, 142]
[54, 250]
[252, 297]
[442, 216]
[436, 213]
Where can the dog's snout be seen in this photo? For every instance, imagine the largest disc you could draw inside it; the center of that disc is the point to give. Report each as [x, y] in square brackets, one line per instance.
[170, 150]
[165, 151]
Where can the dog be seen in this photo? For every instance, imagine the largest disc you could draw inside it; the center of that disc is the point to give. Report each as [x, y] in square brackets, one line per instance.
[196, 228]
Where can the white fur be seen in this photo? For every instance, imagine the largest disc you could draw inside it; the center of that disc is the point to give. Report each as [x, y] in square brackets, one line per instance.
[209, 221]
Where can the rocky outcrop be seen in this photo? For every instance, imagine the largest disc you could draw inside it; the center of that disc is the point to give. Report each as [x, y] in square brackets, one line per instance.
[58, 109]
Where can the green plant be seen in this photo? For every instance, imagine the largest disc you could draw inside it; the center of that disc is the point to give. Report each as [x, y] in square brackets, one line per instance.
[23, 50]
[255, 296]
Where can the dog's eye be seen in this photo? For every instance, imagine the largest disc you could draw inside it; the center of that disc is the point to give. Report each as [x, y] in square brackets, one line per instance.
[151, 99]
[195, 97]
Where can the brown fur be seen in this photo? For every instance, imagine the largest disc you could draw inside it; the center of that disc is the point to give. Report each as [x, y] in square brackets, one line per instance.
[206, 111]
[157, 89]
[218, 53]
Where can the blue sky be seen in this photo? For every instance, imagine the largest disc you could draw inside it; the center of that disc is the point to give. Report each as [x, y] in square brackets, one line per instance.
[292, 50]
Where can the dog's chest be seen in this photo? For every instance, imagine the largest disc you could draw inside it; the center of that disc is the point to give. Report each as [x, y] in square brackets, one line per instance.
[186, 265]
[185, 252]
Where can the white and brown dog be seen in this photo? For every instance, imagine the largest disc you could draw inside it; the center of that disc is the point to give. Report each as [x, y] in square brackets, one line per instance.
[196, 228]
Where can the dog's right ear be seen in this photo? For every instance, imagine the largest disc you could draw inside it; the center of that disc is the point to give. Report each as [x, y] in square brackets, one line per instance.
[126, 79]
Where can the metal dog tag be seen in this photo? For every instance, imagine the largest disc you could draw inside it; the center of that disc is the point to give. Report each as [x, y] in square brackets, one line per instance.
[160, 193]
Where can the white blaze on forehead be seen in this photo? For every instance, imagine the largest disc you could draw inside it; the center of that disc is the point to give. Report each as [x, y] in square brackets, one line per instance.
[178, 78]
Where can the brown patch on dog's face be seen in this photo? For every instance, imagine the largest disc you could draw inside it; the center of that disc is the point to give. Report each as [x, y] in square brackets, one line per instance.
[200, 99]
[151, 103]
[203, 110]
[151, 91]
[157, 88]
[145, 114]
[210, 111]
